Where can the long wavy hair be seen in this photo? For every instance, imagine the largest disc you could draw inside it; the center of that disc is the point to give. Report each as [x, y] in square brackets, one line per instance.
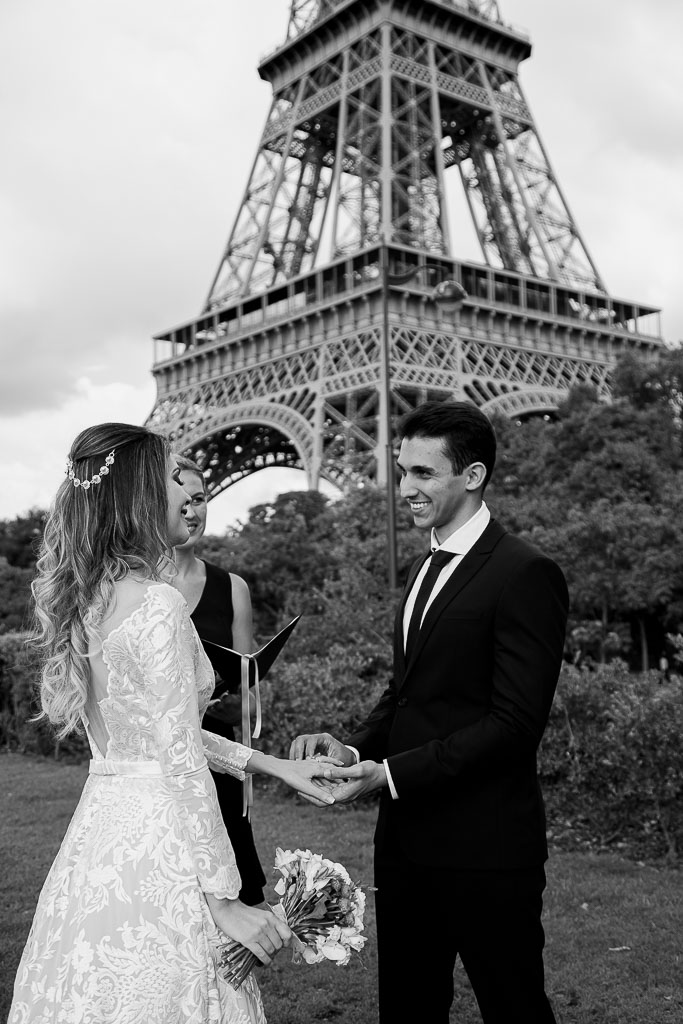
[93, 538]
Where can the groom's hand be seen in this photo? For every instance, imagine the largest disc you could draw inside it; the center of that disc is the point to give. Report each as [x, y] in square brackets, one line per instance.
[357, 781]
[310, 744]
[327, 785]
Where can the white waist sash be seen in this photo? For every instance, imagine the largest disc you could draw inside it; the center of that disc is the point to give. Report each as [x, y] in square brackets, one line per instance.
[138, 769]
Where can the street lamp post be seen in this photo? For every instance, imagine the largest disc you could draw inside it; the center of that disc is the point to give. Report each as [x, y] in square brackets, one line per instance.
[386, 426]
[445, 291]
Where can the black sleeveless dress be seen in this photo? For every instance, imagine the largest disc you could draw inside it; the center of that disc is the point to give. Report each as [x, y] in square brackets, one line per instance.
[213, 621]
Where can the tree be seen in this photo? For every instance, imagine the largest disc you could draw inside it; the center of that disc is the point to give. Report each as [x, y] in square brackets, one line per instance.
[279, 551]
[599, 490]
[15, 595]
[652, 383]
[623, 562]
[20, 537]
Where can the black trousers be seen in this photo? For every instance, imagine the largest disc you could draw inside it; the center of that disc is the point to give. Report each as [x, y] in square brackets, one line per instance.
[426, 917]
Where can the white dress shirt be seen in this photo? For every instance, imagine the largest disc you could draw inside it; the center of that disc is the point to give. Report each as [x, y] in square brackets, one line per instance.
[460, 541]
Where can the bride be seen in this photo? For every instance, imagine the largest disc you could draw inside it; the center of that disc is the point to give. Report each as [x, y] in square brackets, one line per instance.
[145, 884]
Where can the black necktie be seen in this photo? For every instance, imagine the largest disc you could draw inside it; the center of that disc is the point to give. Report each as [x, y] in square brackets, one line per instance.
[438, 560]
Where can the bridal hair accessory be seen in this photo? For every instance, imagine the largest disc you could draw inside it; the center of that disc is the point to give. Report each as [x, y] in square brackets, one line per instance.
[96, 478]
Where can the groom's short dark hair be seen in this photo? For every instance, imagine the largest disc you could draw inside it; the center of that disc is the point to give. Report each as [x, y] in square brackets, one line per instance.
[467, 433]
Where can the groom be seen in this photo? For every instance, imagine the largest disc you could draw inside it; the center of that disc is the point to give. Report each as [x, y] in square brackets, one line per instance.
[460, 841]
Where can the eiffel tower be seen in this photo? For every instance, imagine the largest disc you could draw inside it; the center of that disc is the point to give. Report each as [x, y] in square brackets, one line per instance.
[324, 322]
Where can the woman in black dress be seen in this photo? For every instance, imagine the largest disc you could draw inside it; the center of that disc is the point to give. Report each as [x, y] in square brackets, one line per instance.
[220, 607]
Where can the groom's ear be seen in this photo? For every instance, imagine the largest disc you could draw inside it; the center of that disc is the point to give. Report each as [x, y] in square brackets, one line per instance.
[476, 476]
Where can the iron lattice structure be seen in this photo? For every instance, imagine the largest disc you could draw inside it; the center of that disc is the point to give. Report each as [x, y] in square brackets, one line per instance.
[308, 347]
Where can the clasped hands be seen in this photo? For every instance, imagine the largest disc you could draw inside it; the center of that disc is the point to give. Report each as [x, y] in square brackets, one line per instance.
[348, 780]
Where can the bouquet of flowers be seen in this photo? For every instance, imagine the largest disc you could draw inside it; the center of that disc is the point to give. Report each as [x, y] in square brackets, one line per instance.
[321, 905]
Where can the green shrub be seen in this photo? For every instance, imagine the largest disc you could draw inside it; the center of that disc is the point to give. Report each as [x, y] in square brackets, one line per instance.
[19, 673]
[611, 760]
[332, 693]
[18, 676]
[15, 594]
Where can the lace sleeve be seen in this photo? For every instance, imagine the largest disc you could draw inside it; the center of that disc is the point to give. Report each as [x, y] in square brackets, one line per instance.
[225, 755]
[165, 648]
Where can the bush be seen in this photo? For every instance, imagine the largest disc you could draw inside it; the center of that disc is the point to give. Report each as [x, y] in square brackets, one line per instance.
[15, 594]
[329, 693]
[611, 761]
[18, 675]
[19, 672]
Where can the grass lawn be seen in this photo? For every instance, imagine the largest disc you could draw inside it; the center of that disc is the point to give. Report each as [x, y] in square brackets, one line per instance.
[614, 928]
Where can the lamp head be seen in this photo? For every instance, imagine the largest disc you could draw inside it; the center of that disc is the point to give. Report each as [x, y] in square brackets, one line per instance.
[449, 293]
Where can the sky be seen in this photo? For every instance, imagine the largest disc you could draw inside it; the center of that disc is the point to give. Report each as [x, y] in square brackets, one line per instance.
[128, 131]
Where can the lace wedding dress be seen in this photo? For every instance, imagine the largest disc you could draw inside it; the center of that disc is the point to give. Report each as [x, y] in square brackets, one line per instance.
[122, 933]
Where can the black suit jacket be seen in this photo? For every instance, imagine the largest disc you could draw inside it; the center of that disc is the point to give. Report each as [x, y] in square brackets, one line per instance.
[461, 722]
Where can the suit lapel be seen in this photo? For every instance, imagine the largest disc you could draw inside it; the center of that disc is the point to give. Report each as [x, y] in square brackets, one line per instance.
[473, 561]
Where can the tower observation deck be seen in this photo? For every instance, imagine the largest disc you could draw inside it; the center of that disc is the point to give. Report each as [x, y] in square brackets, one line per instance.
[340, 301]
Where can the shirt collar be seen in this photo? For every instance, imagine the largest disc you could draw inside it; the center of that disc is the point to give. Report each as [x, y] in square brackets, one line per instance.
[466, 536]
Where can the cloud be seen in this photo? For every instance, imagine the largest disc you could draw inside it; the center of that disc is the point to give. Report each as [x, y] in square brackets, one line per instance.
[113, 198]
[129, 130]
[33, 463]
[605, 86]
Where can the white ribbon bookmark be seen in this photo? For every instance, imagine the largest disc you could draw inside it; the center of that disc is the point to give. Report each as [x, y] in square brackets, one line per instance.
[247, 735]
[228, 672]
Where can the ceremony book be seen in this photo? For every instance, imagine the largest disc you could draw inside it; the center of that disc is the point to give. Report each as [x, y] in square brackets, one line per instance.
[240, 672]
[229, 663]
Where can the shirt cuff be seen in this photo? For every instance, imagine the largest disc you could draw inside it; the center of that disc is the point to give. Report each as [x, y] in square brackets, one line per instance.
[354, 752]
[390, 781]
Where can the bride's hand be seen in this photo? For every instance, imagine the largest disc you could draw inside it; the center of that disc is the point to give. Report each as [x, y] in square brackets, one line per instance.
[307, 777]
[259, 930]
